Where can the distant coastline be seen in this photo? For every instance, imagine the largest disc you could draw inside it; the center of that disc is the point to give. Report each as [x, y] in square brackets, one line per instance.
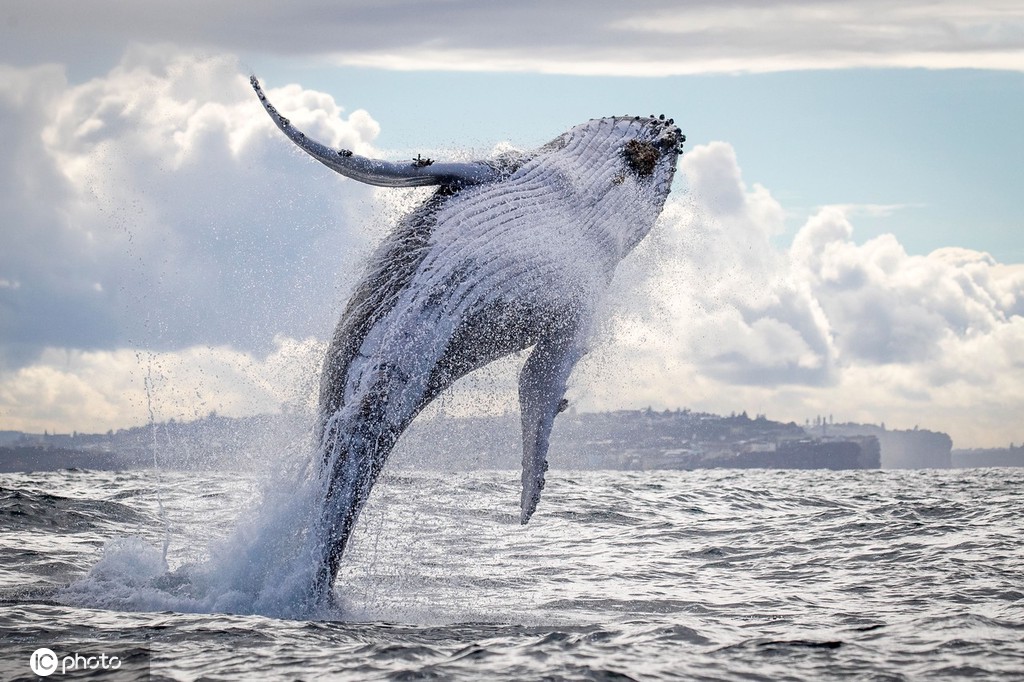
[623, 440]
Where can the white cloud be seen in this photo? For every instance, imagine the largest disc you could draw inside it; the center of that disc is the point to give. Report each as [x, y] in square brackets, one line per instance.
[659, 37]
[887, 306]
[93, 391]
[158, 206]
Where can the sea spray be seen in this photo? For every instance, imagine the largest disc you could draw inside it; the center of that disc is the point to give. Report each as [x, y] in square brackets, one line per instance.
[148, 383]
[264, 565]
[268, 563]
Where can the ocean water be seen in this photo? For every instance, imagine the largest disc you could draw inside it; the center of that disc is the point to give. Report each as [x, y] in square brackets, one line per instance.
[745, 575]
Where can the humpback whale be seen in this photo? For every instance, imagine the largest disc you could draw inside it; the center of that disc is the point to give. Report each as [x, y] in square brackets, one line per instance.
[508, 253]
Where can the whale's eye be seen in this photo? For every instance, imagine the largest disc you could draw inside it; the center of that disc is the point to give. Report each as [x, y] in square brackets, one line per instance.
[641, 157]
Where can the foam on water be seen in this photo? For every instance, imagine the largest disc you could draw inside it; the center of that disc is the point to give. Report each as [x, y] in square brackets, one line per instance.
[266, 565]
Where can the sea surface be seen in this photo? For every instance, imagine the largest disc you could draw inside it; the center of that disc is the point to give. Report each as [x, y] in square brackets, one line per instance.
[718, 575]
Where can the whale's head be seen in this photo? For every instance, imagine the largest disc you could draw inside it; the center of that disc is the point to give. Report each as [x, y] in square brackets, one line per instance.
[620, 169]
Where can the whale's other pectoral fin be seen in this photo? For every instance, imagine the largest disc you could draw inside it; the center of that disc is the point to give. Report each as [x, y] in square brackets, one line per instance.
[541, 390]
[417, 172]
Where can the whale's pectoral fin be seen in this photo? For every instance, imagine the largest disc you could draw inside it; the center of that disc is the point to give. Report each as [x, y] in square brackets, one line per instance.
[541, 390]
[417, 173]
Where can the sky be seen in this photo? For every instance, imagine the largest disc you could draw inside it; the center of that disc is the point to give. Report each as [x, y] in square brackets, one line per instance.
[845, 236]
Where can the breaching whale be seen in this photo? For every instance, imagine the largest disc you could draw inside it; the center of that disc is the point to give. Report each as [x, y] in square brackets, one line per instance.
[508, 253]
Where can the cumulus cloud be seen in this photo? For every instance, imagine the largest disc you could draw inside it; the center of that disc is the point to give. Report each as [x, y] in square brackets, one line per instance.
[157, 206]
[887, 306]
[658, 37]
